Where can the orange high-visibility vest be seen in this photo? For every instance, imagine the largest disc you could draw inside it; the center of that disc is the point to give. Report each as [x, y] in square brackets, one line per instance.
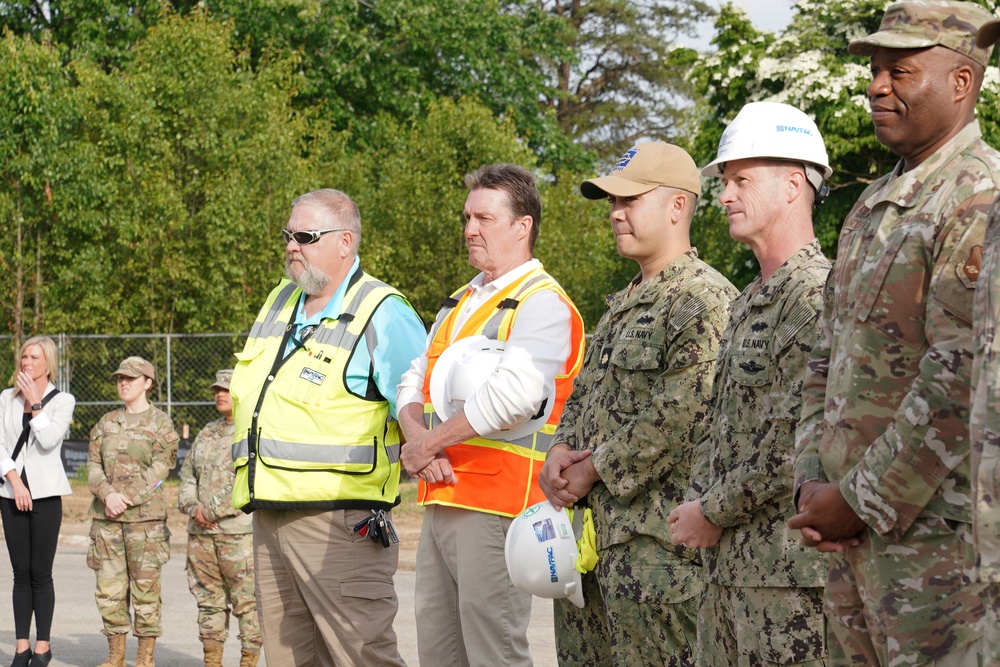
[494, 475]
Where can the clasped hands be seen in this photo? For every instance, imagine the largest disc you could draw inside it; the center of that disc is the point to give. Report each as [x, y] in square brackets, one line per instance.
[420, 462]
[826, 521]
[567, 476]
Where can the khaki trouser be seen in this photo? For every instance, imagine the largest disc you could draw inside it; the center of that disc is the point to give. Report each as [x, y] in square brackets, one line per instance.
[468, 612]
[325, 594]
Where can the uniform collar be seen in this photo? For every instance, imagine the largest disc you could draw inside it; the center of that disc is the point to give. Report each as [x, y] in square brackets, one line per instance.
[904, 188]
[649, 291]
[767, 292]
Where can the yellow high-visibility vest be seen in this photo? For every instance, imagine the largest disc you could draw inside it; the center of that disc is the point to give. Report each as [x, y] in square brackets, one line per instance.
[303, 440]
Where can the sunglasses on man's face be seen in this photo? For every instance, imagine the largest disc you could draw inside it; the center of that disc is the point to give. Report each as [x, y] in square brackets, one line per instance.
[307, 237]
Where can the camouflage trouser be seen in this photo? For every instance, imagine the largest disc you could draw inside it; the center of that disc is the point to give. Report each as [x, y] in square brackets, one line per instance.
[903, 604]
[220, 574]
[641, 608]
[754, 627]
[991, 635]
[127, 558]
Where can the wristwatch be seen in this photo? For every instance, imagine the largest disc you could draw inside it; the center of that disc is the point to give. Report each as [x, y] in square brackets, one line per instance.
[36, 406]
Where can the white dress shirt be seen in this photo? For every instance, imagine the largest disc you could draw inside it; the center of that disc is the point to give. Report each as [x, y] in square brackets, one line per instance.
[534, 354]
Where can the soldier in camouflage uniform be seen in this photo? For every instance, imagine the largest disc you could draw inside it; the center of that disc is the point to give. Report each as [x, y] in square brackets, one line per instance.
[882, 469]
[763, 601]
[985, 422]
[220, 539]
[132, 449]
[626, 437]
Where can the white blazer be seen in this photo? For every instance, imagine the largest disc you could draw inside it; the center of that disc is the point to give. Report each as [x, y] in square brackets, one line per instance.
[42, 454]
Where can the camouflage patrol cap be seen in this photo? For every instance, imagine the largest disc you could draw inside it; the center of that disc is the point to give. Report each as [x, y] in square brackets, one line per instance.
[922, 23]
[133, 367]
[222, 379]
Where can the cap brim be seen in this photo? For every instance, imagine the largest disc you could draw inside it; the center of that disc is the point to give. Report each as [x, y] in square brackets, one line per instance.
[126, 374]
[989, 34]
[599, 188]
[867, 45]
[219, 386]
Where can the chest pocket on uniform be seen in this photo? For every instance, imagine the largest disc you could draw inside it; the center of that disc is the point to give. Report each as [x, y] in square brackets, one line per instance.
[890, 294]
[635, 366]
[748, 401]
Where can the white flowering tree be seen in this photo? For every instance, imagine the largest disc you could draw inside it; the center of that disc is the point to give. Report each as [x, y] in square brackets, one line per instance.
[807, 66]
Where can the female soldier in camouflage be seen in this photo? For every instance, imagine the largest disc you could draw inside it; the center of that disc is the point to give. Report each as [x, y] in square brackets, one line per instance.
[131, 451]
[220, 539]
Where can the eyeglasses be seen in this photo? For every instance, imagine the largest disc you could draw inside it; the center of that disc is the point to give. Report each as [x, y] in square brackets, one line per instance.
[307, 237]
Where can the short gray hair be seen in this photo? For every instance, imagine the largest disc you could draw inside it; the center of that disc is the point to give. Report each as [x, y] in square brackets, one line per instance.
[336, 209]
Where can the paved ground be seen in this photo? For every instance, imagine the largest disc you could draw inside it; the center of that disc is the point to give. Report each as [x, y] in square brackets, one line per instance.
[77, 641]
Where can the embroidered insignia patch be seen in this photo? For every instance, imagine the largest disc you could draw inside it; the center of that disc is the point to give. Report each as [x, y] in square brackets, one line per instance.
[971, 266]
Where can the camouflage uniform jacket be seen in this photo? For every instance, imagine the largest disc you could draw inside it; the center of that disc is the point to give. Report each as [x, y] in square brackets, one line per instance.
[644, 388]
[744, 463]
[986, 406]
[207, 481]
[133, 461]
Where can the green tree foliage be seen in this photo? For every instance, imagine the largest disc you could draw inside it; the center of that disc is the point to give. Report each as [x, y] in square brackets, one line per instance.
[153, 180]
[103, 31]
[616, 81]
[37, 113]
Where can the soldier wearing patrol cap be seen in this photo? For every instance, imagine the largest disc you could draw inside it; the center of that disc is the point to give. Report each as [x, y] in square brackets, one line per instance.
[132, 449]
[220, 538]
[985, 422]
[627, 436]
[883, 477]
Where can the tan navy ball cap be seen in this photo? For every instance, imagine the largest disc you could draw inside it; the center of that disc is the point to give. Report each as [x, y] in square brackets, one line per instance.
[643, 168]
[133, 367]
[222, 379]
[922, 23]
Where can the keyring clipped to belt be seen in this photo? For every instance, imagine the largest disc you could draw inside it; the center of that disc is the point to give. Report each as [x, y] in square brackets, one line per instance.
[378, 528]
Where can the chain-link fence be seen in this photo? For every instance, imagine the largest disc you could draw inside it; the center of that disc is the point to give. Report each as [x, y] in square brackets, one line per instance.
[185, 369]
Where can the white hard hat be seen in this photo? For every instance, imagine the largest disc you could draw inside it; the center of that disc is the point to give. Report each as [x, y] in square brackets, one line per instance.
[541, 554]
[773, 130]
[461, 370]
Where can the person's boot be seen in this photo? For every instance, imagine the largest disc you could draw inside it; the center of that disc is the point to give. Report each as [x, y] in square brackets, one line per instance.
[116, 652]
[248, 658]
[213, 652]
[144, 656]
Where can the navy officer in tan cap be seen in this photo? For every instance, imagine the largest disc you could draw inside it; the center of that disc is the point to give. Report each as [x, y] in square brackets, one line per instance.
[625, 442]
[882, 472]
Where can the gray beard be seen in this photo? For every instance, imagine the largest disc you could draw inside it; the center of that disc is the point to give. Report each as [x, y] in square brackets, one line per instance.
[310, 279]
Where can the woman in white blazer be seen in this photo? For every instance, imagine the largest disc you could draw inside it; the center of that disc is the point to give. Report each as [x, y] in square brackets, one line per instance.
[34, 481]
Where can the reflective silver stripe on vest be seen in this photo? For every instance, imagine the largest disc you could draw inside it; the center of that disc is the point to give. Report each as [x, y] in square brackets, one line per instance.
[492, 327]
[305, 453]
[270, 326]
[537, 441]
[337, 334]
